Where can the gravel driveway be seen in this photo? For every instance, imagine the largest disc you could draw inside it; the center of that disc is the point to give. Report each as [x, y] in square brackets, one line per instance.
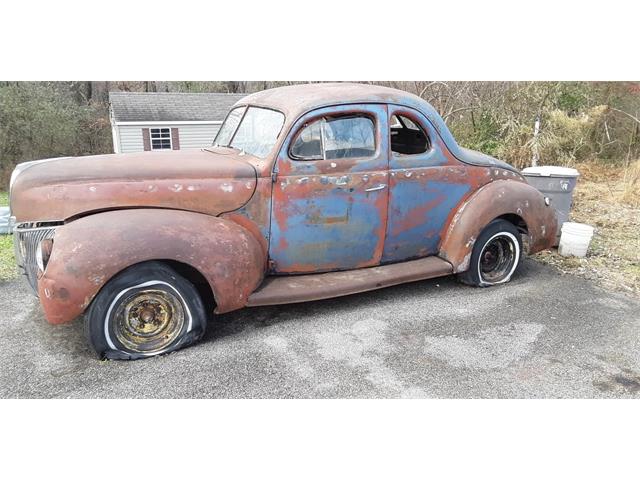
[542, 335]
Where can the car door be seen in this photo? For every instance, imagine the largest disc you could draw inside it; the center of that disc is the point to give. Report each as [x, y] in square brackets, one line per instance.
[329, 200]
[426, 183]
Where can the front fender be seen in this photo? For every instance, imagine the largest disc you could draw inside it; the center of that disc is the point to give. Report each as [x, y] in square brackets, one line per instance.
[496, 199]
[91, 250]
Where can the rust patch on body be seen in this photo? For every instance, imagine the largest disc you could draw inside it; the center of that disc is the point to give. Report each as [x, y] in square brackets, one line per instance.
[193, 180]
[304, 288]
[496, 199]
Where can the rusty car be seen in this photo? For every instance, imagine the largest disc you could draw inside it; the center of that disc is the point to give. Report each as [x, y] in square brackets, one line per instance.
[307, 192]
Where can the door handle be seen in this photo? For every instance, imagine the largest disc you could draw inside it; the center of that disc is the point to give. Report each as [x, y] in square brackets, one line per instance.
[377, 187]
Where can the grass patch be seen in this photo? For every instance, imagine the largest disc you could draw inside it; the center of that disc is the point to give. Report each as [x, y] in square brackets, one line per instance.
[8, 269]
[608, 198]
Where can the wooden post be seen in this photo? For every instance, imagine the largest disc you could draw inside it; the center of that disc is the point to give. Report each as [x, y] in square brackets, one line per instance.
[536, 131]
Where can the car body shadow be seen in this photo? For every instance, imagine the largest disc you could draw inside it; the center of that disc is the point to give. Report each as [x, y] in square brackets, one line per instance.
[233, 323]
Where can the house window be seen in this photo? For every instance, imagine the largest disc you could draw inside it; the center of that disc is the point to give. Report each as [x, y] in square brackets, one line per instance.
[160, 139]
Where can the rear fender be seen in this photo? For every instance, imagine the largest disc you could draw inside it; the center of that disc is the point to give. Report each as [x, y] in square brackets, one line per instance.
[91, 250]
[496, 199]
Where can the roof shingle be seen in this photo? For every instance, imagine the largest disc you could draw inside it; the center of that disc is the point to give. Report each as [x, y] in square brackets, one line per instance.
[171, 107]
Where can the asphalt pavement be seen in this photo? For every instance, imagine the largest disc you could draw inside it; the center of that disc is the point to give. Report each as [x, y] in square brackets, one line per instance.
[543, 335]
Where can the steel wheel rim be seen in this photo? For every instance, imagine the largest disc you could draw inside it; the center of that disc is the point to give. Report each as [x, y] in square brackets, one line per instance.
[497, 259]
[149, 320]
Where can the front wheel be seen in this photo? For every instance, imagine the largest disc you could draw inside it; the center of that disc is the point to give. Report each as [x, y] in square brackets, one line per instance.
[496, 255]
[146, 310]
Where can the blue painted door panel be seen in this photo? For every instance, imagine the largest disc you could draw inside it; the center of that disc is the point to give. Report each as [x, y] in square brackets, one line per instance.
[330, 214]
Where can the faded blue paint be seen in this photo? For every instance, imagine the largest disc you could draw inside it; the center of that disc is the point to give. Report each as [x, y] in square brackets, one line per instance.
[425, 206]
[331, 231]
[431, 158]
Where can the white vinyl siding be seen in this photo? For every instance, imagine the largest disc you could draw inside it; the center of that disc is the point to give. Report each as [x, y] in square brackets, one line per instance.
[130, 139]
[195, 136]
[190, 135]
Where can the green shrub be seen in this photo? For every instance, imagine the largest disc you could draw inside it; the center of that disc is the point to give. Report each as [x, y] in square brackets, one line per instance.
[42, 120]
[565, 139]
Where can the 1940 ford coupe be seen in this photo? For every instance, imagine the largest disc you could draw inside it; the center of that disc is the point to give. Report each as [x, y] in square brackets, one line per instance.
[308, 192]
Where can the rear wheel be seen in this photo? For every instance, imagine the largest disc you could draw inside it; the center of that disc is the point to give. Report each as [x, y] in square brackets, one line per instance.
[496, 255]
[144, 311]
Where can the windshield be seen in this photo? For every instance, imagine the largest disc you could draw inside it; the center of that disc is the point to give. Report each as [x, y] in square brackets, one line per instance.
[251, 129]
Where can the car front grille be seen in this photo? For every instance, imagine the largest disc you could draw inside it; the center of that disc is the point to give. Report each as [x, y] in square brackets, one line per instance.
[26, 240]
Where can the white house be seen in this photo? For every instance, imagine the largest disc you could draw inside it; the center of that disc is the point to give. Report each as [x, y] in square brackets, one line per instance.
[157, 121]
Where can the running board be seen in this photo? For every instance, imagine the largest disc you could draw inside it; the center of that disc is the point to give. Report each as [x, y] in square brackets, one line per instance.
[277, 290]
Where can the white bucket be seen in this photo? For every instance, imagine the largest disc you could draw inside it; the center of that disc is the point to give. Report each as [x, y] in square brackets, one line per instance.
[575, 239]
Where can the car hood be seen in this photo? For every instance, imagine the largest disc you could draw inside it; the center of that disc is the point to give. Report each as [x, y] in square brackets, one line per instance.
[211, 182]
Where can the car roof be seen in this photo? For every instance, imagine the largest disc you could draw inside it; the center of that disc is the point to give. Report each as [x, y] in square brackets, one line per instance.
[295, 100]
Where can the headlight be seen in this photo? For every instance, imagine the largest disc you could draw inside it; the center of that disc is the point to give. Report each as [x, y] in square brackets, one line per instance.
[43, 253]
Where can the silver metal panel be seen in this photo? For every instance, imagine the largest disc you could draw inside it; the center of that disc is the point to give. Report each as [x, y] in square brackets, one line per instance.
[26, 239]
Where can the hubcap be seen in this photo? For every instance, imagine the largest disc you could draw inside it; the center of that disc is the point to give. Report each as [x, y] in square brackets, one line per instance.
[149, 320]
[497, 259]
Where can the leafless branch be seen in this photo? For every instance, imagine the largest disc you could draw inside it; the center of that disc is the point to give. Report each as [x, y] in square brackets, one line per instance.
[625, 113]
[461, 109]
[422, 92]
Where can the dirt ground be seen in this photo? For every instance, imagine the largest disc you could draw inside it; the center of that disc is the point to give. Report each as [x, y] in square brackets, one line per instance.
[608, 198]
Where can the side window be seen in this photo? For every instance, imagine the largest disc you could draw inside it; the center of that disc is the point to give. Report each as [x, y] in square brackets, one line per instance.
[331, 138]
[349, 137]
[407, 137]
[308, 144]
